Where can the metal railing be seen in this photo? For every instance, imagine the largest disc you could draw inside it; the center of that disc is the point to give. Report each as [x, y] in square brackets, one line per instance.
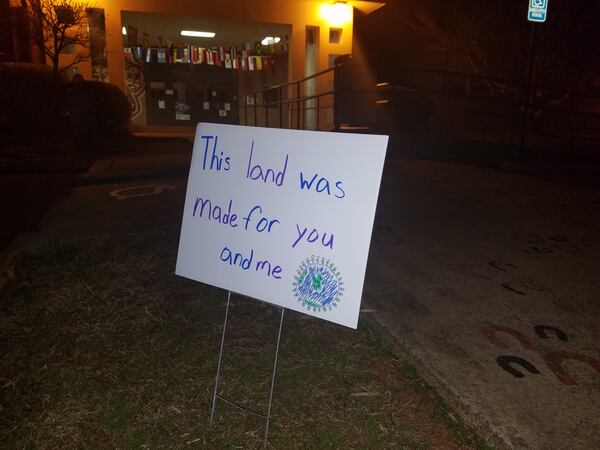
[433, 102]
[487, 108]
[286, 105]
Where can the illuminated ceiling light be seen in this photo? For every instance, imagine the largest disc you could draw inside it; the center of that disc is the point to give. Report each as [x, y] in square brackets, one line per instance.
[204, 34]
[270, 40]
[124, 31]
[336, 14]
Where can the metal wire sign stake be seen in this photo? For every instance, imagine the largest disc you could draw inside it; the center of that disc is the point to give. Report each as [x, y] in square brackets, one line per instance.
[216, 394]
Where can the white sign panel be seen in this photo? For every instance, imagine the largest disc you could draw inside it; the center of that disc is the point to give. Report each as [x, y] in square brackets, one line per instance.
[283, 216]
[538, 10]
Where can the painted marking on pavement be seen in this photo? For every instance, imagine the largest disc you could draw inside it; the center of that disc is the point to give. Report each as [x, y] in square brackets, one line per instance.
[554, 359]
[142, 191]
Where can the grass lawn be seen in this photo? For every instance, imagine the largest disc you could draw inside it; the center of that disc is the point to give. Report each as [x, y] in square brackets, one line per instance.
[104, 347]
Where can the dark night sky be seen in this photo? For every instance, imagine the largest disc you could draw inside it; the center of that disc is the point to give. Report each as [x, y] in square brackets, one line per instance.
[492, 36]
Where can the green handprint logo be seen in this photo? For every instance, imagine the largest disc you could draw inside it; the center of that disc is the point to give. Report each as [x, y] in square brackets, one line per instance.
[317, 281]
[318, 285]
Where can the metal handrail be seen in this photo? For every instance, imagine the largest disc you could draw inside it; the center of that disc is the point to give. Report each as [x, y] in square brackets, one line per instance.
[290, 112]
[295, 100]
[496, 112]
[290, 83]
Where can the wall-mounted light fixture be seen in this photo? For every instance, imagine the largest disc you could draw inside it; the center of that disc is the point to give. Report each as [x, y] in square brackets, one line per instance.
[336, 14]
[204, 34]
[270, 40]
[124, 31]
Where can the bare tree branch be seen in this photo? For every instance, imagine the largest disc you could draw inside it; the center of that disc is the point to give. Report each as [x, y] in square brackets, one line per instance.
[490, 40]
[56, 25]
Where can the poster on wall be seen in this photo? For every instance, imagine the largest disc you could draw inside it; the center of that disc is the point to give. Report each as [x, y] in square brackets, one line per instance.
[283, 216]
[182, 109]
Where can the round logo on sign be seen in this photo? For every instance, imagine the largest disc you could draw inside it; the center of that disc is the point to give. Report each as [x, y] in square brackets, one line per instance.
[318, 285]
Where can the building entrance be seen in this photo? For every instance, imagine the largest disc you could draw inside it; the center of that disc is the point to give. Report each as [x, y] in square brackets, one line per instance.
[184, 70]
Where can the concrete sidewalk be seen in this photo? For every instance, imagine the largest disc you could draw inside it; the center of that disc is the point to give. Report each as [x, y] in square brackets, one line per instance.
[490, 283]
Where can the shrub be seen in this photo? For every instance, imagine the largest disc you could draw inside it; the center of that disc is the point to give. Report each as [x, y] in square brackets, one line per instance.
[31, 100]
[108, 107]
[35, 104]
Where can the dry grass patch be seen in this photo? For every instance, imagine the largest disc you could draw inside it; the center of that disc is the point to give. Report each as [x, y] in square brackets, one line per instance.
[104, 347]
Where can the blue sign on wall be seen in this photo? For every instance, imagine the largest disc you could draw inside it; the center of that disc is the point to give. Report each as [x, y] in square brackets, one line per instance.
[538, 10]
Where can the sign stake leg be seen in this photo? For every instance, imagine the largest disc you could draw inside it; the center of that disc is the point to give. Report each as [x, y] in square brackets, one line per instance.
[212, 411]
[273, 379]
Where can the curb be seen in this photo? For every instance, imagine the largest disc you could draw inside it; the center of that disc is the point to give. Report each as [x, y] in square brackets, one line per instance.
[550, 168]
[50, 165]
[470, 416]
[91, 178]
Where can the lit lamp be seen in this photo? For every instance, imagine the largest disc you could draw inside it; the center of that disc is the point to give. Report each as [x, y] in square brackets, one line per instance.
[336, 14]
[270, 40]
[203, 34]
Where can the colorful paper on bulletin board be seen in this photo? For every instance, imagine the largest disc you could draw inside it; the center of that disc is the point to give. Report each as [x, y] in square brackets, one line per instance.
[162, 55]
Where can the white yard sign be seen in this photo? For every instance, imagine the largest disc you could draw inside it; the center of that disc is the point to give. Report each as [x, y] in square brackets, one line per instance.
[283, 216]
